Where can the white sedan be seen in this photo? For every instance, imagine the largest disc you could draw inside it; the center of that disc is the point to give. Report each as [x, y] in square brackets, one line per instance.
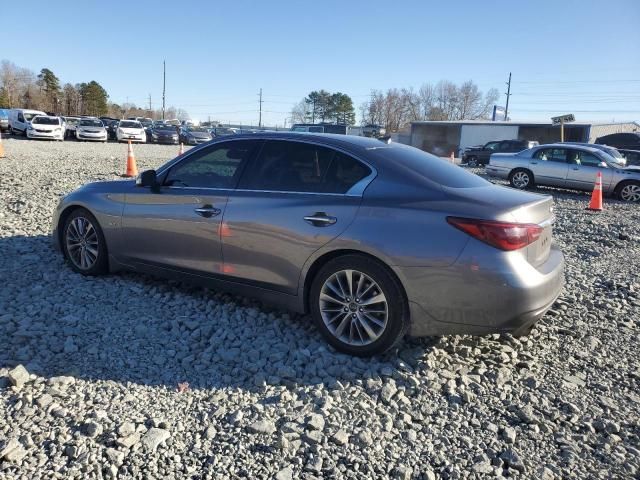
[131, 130]
[46, 127]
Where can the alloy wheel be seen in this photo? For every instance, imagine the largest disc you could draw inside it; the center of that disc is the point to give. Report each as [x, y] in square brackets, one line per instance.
[82, 243]
[630, 193]
[353, 307]
[520, 179]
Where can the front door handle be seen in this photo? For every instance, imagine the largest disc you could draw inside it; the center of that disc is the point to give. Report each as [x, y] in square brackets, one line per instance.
[207, 211]
[320, 219]
[576, 168]
[534, 163]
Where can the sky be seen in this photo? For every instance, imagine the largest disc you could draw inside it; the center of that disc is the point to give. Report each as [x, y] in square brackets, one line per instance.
[567, 56]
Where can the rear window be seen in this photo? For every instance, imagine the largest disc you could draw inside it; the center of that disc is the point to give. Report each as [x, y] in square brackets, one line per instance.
[428, 166]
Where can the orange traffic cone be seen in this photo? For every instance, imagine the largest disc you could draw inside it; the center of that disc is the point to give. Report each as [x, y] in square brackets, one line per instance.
[596, 196]
[2, 155]
[181, 148]
[132, 168]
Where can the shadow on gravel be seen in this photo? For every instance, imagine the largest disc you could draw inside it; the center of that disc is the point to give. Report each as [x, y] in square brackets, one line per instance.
[134, 328]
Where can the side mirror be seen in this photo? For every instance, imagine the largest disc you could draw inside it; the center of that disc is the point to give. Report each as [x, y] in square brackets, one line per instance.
[147, 178]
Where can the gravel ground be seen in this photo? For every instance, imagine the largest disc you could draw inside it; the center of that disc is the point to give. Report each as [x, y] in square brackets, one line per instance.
[127, 376]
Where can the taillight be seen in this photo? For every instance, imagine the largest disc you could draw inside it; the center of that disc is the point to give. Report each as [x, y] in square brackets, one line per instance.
[503, 235]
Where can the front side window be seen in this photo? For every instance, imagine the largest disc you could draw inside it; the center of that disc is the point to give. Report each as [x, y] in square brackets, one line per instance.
[492, 146]
[552, 155]
[21, 117]
[584, 158]
[301, 167]
[218, 166]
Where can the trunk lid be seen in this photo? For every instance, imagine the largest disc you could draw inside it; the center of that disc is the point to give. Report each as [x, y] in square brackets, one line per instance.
[509, 205]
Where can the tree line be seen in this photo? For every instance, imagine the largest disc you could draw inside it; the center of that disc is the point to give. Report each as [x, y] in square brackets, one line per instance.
[22, 88]
[397, 108]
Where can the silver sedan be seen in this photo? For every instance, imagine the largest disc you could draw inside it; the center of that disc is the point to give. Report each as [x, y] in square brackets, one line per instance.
[569, 166]
[373, 240]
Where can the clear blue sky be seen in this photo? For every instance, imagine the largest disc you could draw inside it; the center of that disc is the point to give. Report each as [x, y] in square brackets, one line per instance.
[565, 55]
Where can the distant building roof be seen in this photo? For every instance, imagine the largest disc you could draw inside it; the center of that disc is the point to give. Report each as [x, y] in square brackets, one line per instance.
[517, 124]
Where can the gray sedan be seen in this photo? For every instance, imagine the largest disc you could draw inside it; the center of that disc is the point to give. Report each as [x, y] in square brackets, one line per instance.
[373, 240]
[568, 166]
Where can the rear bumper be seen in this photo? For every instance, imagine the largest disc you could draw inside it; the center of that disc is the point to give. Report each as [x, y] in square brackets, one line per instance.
[508, 295]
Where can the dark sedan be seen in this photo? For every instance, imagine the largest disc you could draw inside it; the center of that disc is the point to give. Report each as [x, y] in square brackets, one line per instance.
[372, 240]
[163, 133]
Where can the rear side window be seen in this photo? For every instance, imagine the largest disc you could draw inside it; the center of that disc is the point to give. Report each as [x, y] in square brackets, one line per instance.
[284, 166]
[422, 164]
[218, 166]
[551, 155]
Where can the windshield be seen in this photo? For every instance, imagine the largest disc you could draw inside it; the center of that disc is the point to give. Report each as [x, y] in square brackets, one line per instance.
[90, 122]
[130, 125]
[165, 127]
[4, 113]
[147, 123]
[72, 121]
[613, 152]
[197, 129]
[46, 121]
[29, 116]
[224, 131]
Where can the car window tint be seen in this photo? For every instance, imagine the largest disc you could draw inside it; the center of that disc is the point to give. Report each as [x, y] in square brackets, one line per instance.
[416, 162]
[584, 158]
[492, 145]
[289, 166]
[215, 167]
[551, 155]
[344, 172]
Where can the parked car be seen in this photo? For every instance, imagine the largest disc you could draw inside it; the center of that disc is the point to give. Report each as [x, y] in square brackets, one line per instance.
[19, 119]
[479, 155]
[222, 131]
[71, 123]
[4, 120]
[163, 133]
[561, 165]
[620, 160]
[338, 129]
[632, 157]
[91, 128]
[373, 130]
[318, 224]
[111, 125]
[626, 141]
[190, 135]
[131, 130]
[46, 127]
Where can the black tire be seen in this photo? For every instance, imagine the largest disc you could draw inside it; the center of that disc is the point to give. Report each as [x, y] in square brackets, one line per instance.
[520, 173]
[101, 265]
[619, 190]
[473, 162]
[397, 321]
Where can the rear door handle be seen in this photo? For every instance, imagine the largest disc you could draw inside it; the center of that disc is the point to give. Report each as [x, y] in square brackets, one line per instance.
[320, 219]
[207, 211]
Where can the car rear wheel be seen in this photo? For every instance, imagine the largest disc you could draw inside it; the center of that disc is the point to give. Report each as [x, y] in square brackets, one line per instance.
[629, 192]
[358, 305]
[521, 179]
[472, 162]
[84, 245]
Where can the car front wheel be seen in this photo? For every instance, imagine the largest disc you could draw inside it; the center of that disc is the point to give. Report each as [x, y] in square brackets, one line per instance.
[84, 245]
[358, 305]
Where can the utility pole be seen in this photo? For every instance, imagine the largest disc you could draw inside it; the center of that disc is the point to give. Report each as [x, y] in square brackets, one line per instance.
[260, 117]
[149, 104]
[506, 108]
[164, 84]
[313, 112]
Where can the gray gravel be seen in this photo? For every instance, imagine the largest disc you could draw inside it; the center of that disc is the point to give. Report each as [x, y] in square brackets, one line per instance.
[90, 367]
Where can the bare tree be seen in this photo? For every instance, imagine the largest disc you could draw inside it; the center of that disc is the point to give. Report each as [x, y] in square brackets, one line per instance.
[301, 112]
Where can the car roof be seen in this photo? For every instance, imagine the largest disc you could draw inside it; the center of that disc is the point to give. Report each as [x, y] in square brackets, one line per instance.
[586, 147]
